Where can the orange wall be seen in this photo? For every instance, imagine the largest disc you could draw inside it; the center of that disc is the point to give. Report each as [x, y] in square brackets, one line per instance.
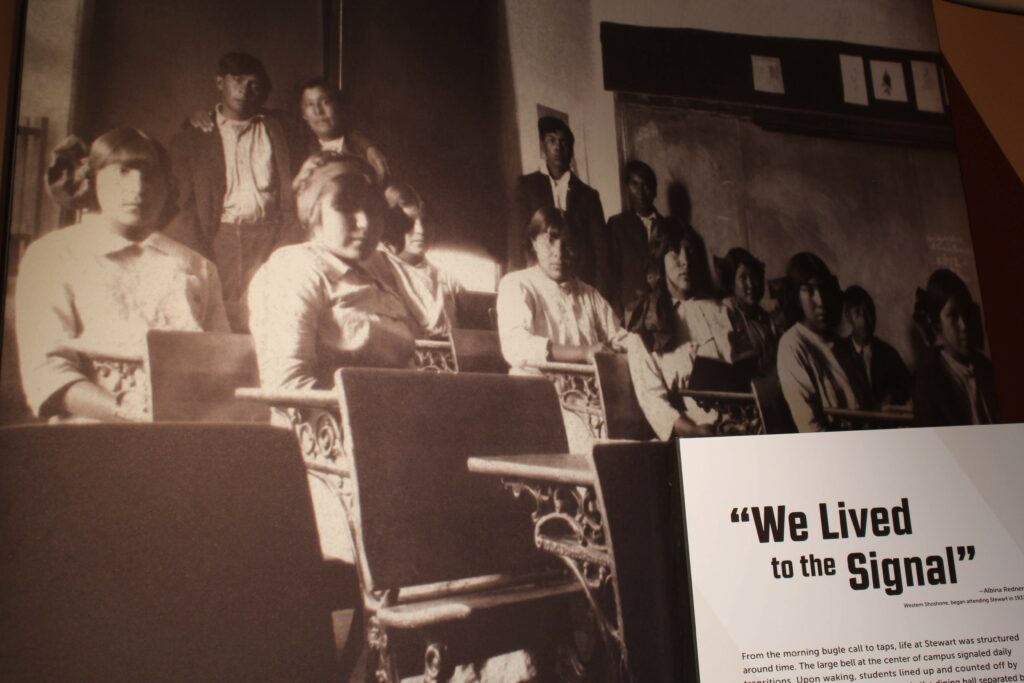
[986, 51]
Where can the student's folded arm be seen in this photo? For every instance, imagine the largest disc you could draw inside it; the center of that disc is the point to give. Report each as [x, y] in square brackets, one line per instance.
[799, 389]
[519, 345]
[45, 324]
[651, 390]
[285, 302]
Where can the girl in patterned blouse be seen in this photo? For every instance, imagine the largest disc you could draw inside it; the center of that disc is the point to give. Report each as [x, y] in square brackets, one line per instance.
[332, 300]
[103, 283]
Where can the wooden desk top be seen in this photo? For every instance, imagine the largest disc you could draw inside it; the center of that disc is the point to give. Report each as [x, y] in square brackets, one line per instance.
[320, 398]
[557, 468]
[572, 368]
[894, 416]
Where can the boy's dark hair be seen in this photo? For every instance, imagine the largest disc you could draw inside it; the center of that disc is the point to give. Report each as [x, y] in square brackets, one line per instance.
[553, 124]
[319, 82]
[641, 170]
[856, 296]
[242, 64]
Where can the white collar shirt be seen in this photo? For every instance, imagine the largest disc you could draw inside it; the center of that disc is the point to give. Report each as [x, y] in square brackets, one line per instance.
[336, 145]
[534, 312]
[250, 188]
[559, 188]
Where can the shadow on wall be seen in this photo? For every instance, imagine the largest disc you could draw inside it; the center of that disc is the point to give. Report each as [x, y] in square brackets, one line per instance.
[677, 194]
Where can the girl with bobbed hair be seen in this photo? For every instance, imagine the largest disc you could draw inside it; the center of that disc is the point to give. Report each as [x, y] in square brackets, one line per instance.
[810, 375]
[330, 301]
[103, 283]
[741, 276]
[955, 383]
[545, 313]
[430, 293]
[676, 321]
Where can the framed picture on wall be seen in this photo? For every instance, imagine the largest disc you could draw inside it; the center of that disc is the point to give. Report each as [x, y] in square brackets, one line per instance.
[887, 81]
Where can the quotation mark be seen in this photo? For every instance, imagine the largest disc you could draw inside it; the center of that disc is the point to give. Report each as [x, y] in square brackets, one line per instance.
[963, 552]
[744, 516]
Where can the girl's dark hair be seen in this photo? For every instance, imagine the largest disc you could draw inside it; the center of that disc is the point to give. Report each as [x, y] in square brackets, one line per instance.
[402, 197]
[673, 236]
[727, 267]
[546, 220]
[652, 316]
[801, 269]
[71, 177]
[944, 285]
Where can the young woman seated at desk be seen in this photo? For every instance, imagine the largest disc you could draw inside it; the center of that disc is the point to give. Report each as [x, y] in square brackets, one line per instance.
[675, 322]
[809, 373]
[742, 277]
[430, 293]
[103, 283]
[956, 382]
[330, 301]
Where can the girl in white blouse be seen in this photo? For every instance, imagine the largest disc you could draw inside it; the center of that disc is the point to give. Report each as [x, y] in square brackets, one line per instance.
[544, 312]
[809, 372]
[106, 281]
[675, 322]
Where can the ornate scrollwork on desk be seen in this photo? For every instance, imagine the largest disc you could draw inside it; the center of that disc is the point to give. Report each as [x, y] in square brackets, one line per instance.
[434, 356]
[126, 379]
[578, 394]
[319, 437]
[377, 638]
[567, 523]
[736, 413]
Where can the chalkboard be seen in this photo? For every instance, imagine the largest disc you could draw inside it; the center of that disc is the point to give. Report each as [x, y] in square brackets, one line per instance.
[881, 215]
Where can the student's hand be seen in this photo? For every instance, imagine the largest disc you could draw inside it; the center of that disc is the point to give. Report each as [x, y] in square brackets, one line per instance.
[594, 349]
[378, 161]
[203, 120]
[685, 428]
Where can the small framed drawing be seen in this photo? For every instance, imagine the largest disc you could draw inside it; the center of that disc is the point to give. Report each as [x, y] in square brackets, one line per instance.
[888, 82]
[855, 86]
[767, 74]
[927, 88]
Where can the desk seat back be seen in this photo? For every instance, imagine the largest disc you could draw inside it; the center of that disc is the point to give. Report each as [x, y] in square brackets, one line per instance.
[193, 377]
[771, 403]
[475, 310]
[638, 489]
[158, 552]
[478, 351]
[422, 516]
[623, 417]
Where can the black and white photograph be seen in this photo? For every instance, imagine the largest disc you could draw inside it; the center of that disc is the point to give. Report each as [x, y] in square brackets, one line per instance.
[358, 334]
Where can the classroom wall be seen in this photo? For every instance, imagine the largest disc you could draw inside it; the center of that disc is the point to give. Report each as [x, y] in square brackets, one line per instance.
[554, 55]
[424, 80]
[152, 62]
